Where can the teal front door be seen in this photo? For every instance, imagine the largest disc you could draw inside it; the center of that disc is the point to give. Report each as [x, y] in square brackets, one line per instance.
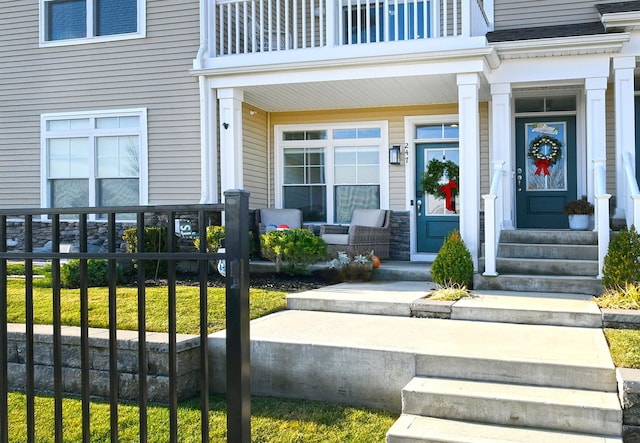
[436, 215]
[545, 171]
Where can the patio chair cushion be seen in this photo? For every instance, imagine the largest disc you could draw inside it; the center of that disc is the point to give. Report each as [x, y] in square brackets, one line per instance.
[336, 239]
[290, 217]
[373, 218]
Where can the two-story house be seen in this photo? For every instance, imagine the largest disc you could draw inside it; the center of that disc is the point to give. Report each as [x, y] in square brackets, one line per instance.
[327, 106]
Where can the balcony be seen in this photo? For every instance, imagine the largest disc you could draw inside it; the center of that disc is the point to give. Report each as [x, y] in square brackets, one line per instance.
[255, 27]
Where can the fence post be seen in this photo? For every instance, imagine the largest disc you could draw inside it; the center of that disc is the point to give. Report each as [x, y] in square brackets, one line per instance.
[237, 298]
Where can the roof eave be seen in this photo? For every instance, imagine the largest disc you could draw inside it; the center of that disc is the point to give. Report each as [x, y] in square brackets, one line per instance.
[577, 45]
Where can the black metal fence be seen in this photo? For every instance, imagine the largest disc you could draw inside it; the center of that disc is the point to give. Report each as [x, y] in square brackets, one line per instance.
[236, 215]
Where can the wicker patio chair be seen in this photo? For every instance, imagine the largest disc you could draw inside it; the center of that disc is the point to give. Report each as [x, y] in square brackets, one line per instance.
[277, 217]
[370, 230]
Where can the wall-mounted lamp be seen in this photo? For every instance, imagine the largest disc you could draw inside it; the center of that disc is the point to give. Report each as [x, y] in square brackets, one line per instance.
[394, 155]
[225, 125]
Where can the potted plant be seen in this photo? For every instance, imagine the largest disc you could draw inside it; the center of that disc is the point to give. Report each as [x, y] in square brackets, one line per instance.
[357, 268]
[578, 212]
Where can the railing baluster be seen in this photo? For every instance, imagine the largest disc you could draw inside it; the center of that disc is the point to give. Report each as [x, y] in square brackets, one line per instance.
[143, 393]
[57, 327]
[4, 347]
[237, 28]
[113, 328]
[173, 372]
[203, 273]
[30, 370]
[312, 21]
[84, 333]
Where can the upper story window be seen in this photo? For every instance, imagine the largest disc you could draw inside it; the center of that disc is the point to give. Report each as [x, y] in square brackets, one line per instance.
[84, 21]
[94, 159]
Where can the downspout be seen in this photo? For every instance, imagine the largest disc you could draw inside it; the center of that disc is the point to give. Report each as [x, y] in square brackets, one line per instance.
[205, 132]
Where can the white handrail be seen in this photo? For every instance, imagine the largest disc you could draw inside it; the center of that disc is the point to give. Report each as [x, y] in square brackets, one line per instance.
[601, 211]
[493, 219]
[633, 216]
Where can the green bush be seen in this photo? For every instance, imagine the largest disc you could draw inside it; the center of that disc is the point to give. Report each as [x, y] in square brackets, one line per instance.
[621, 265]
[293, 250]
[97, 273]
[155, 240]
[215, 234]
[453, 264]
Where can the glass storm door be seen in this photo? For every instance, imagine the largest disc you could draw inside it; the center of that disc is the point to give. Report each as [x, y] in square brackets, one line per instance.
[436, 216]
[545, 171]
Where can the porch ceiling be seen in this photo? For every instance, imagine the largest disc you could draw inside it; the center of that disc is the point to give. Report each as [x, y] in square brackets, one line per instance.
[363, 93]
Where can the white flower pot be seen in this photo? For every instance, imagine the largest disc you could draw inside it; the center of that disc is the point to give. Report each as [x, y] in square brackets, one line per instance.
[579, 222]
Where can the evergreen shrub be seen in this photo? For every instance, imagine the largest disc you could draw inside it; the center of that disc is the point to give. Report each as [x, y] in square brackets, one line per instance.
[453, 265]
[621, 265]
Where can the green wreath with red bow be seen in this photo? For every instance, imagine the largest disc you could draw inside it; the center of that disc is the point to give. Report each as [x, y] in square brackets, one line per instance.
[544, 161]
[431, 181]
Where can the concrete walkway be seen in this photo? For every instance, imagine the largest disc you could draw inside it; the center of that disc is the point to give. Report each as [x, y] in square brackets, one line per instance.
[356, 343]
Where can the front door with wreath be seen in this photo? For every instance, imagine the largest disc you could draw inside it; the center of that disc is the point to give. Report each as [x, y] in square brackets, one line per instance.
[545, 171]
[437, 178]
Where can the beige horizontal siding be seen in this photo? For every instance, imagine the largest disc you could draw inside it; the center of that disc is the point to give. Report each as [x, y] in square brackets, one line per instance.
[510, 14]
[395, 117]
[151, 73]
[255, 158]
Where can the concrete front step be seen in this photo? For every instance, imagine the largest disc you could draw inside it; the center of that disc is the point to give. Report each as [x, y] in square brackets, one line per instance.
[550, 236]
[368, 359]
[543, 266]
[539, 283]
[533, 308]
[548, 251]
[416, 429]
[588, 412]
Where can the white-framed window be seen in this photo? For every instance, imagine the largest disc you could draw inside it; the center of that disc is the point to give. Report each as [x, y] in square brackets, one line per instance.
[327, 171]
[94, 159]
[64, 22]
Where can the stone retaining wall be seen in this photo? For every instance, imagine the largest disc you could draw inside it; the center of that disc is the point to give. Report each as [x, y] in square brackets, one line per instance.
[188, 362]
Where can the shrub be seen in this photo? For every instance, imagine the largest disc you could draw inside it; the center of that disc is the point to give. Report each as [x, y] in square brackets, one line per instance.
[293, 250]
[453, 264]
[621, 266]
[97, 273]
[215, 234]
[155, 240]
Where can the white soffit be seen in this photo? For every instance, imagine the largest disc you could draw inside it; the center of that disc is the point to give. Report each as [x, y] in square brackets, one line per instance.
[397, 91]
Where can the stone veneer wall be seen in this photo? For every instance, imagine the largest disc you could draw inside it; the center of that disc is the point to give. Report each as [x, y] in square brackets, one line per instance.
[399, 248]
[188, 362]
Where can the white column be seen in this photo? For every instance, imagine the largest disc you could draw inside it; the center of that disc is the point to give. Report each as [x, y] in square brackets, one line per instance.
[595, 89]
[501, 140]
[469, 162]
[230, 104]
[208, 144]
[625, 128]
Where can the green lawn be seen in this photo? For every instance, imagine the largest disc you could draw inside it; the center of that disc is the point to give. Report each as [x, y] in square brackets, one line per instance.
[273, 420]
[262, 302]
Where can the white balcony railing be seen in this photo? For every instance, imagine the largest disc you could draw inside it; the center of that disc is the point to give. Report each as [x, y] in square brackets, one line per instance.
[255, 26]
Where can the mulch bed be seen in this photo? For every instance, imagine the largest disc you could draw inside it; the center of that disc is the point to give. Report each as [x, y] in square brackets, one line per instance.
[259, 280]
